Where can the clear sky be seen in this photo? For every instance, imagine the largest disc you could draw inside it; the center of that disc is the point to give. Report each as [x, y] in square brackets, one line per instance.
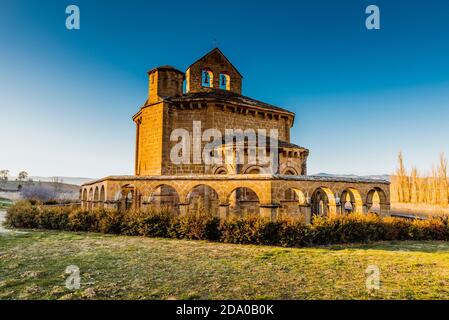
[360, 96]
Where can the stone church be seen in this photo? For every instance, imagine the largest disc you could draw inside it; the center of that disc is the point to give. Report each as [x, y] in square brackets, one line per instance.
[209, 93]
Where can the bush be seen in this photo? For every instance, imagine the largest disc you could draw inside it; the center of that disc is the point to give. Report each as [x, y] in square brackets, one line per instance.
[108, 221]
[348, 229]
[196, 226]
[238, 230]
[82, 220]
[22, 214]
[285, 231]
[435, 229]
[295, 233]
[53, 218]
[150, 223]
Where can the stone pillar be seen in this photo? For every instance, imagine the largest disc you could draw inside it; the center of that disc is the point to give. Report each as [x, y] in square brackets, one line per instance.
[207, 199]
[384, 209]
[269, 211]
[223, 211]
[306, 211]
[122, 204]
[183, 208]
[359, 209]
[340, 209]
[136, 200]
[332, 210]
[366, 208]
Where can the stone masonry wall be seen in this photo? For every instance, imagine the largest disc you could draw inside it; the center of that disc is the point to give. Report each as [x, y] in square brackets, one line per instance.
[149, 140]
[164, 82]
[216, 63]
[212, 116]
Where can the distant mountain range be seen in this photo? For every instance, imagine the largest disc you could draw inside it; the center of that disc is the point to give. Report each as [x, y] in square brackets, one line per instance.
[67, 180]
[374, 176]
[79, 181]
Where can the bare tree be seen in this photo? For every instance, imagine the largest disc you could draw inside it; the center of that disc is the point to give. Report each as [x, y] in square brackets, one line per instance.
[403, 187]
[4, 175]
[422, 188]
[442, 180]
[23, 175]
[433, 187]
[57, 184]
[56, 180]
[414, 186]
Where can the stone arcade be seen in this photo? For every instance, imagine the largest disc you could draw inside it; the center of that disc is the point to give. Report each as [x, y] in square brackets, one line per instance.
[210, 92]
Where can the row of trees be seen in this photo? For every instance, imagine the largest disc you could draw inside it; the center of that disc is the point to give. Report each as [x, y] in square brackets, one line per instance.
[4, 175]
[413, 187]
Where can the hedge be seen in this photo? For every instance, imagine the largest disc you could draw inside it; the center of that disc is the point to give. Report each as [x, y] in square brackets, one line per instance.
[285, 231]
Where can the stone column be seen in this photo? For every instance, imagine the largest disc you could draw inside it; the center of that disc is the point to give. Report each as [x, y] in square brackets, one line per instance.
[123, 204]
[366, 208]
[183, 208]
[136, 200]
[223, 211]
[306, 210]
[207, 199]
[384, 209]
[340, 209]
[269, 211]
[332, 210]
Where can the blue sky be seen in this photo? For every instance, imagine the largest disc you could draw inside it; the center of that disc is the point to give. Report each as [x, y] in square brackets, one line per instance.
[67, 97]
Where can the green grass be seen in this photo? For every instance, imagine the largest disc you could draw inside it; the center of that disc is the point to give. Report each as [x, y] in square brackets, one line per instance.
[32, 266]
[5, 203]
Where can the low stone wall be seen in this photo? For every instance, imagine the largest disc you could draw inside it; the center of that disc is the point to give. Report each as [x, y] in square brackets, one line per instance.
[313, 195]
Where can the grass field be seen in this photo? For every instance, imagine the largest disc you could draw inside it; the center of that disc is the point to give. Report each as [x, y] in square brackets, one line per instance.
[32, 266]
[5, 203]
[419, 209]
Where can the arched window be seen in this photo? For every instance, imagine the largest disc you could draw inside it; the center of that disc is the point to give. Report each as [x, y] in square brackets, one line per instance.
[225, 81]
[207, 78]
[221, 170]
[290, 172]
[243, 201]
[185, 88]
[164, 197]
[203, 198]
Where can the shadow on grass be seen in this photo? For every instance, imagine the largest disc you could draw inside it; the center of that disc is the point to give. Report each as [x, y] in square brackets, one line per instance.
[400, 246]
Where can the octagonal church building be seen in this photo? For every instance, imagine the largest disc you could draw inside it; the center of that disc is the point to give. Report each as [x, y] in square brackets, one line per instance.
[201, 113]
